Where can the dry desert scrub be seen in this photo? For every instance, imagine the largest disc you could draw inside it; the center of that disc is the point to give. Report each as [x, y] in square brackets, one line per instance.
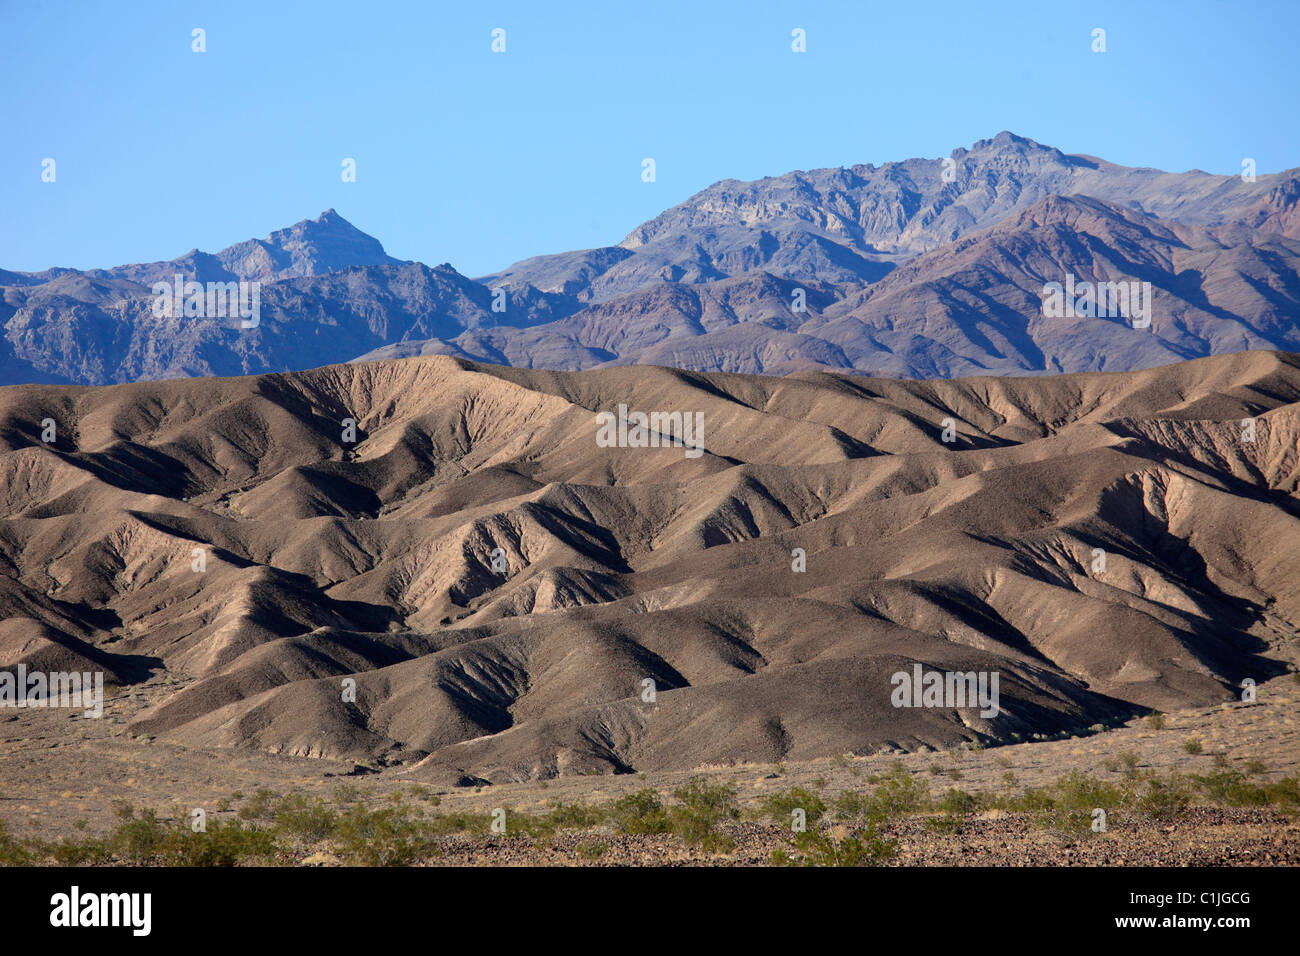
[855, 828]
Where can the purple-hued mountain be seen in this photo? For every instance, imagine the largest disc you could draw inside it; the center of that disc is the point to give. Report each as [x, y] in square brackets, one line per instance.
[923, 268]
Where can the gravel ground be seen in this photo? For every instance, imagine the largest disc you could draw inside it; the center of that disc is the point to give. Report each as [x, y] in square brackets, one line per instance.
[62, 775]
[1202, 836]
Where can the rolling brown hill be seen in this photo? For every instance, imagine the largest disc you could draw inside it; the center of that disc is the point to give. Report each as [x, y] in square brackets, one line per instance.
[328, 561]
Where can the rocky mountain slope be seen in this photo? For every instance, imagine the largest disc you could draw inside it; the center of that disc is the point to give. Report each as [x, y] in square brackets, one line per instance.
[922, 268]
[853, 224]
[972, 306]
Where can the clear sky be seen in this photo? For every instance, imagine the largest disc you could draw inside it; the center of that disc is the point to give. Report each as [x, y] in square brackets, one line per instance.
[479, 159]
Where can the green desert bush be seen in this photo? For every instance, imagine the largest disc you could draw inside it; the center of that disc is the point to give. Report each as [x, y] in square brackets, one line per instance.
[1078, 791]
[221, 844]
[12, 851]
[947, 824]
[561, 816]
[863, 847]
[1069, 826]
[68, 852]
[461, 821]
[308, 820]
[781, 806]
[574, 816]
[1232, 788]
[262, 806]
[142, 839]
[388, 836]
[138, 839]
[702, 807]
[957, 802]
[1165, 799]
[899, 793]
[640, 813]
[347, 793]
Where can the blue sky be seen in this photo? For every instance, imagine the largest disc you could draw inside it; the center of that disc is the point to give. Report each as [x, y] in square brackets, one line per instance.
[480, 159]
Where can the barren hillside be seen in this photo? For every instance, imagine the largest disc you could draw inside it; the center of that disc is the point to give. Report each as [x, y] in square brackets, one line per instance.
[325, 560]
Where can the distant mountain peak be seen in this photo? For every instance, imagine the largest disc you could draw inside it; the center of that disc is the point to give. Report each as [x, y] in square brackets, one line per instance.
[329, 218]
[1008, 138]
[310, 247]
[307, 248]
[327, 222]
[1002, 142]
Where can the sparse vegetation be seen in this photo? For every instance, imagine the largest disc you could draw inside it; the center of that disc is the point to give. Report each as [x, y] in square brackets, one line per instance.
[460, 822]
[958, 802]
[948, 824]
[347, 793]
[1067, 826]
[307, 820]
[1077, 791]
[857, 828]
[865, 847]
[12, 852]
[1126, 761]
[383, 837]
[703, 806]
[1231, 788]
[561, 816]
[1164, 799]
[142, 839]
[781, 806]
[640, 813]
[261, 807]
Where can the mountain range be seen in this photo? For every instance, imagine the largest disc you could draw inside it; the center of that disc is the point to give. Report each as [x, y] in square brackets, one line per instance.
[924, 268]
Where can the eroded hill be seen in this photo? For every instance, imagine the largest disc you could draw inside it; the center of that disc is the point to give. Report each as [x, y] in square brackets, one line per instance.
[475, 588]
